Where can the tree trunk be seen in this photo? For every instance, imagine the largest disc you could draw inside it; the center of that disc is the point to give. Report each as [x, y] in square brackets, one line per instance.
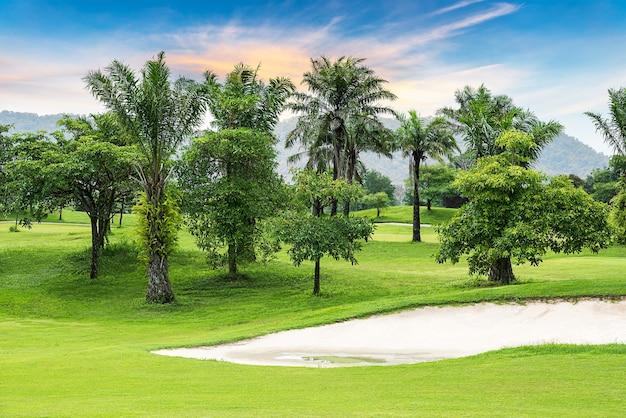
[61, 214]
[502, 271]
[378, 212]
[232, 260]
[316, 280]
[95, 248]
[121, 212]
[350, 178]
[417, 237]
[159, 287]
[429, 203]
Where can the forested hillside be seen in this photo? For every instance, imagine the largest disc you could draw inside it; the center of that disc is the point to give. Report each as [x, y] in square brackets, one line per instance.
[565, 155]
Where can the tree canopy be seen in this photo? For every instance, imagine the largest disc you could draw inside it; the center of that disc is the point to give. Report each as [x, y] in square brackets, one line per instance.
[513, 214]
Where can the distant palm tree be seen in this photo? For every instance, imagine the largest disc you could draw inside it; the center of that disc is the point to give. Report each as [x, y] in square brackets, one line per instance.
[157, 115]
[614, 129]
[341, 94]
[419, 140]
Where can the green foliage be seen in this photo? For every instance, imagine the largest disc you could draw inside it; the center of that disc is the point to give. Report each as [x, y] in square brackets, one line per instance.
[312, 238]
[618, 212]
[378, 200]
[603, 184]
[435, 186]
[374, 182]
[229, 185]
[513, 215]
[317, 190]
[157, 225]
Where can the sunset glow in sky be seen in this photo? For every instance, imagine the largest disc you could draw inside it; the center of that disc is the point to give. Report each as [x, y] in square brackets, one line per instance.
[557, 58]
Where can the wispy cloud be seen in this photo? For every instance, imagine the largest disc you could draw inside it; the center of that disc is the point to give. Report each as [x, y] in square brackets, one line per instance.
[455, 6]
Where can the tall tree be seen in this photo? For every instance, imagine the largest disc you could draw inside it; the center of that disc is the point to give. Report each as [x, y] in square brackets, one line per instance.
[312, 236]
[340, 112]
[512, 213]
[94, 171]
[244, 100]
[157, 115]
[419, 140]
[229, 186]
[482, 117]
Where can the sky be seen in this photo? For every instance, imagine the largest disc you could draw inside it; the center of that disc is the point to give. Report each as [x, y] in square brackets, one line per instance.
[557, 58]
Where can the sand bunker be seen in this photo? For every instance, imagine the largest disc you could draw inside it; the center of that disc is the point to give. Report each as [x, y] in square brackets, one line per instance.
[427, 334]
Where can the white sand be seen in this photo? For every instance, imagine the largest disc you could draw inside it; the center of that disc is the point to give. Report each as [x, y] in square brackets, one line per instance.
[427, 334]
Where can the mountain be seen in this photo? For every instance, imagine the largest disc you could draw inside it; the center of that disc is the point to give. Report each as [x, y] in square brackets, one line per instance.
[29, 122]
[564, 155]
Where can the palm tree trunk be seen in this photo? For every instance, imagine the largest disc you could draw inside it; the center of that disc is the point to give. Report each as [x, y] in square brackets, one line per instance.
[416, 199]
[159, 287]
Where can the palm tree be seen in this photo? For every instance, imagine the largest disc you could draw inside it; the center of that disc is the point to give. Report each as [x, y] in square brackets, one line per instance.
[157, 115]
[340, 94]
[614, 129]
[244, 100]
[481, 117]
[614, 132]
[419, 140]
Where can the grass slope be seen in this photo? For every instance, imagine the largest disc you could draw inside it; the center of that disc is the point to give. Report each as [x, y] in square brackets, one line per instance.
[404, 214]
[74, 347]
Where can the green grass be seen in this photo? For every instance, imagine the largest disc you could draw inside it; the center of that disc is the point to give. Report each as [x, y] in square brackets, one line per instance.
[74, 347]
[404, 214]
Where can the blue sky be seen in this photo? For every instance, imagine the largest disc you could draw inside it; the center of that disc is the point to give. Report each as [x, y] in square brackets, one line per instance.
[557, 58]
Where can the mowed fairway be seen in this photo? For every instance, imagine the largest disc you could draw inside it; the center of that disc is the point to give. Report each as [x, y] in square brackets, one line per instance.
[74, 347]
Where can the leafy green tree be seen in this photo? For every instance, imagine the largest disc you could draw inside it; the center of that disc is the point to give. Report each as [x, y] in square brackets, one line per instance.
[25, 187]
[419, 140]
[6, 156]
[435, 186]
[156, 115]
[604, 183]
[243, 100]
[512, 214]
[312, 236]
[378, 200]
[93, 170]
[228, 179]
[481, 117]
[338, 117]
[374, 182]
